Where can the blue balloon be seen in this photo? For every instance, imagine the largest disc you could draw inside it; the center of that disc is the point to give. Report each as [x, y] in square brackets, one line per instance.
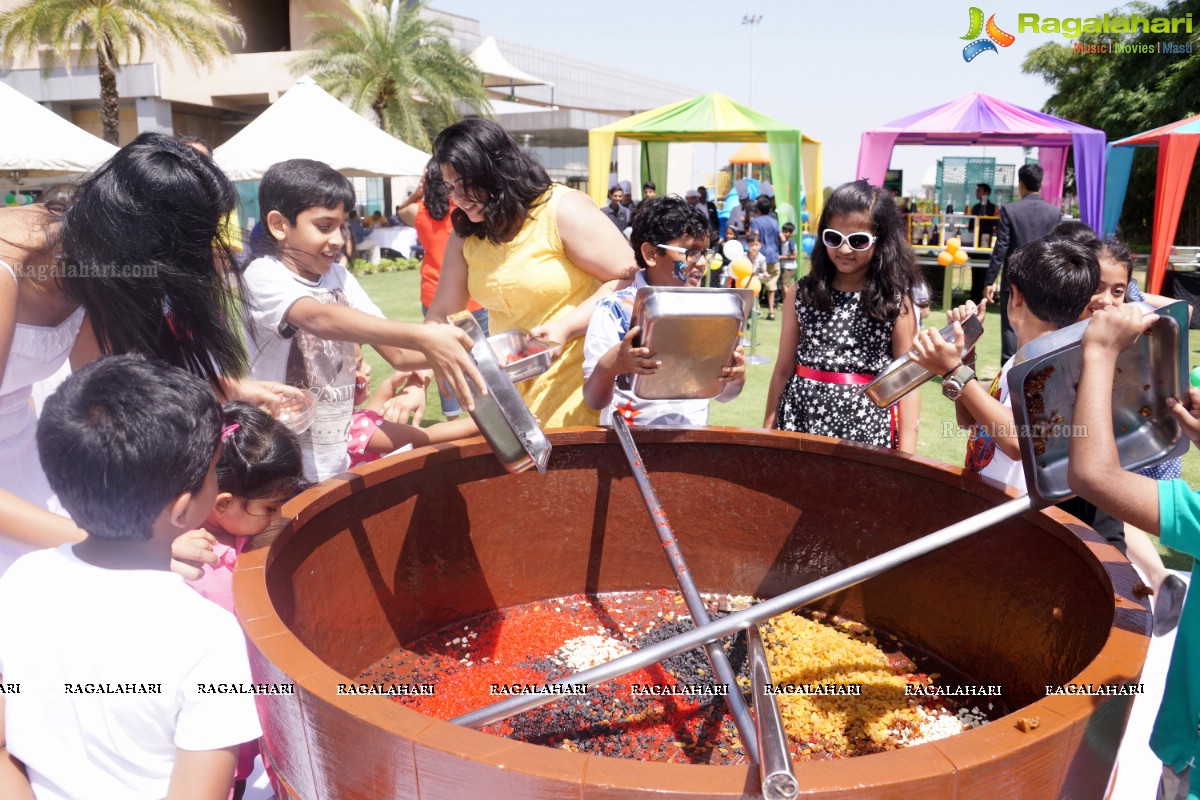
[804, 216]
[807, 243]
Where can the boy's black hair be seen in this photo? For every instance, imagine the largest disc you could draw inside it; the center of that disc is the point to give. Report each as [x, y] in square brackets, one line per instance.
[615, 188]
[261, 457]
[298, 184]
[1057, 277]
[122, 438]
[1112, 249]
[1030, 176]
[753, 236]
[893, 268]
[1074, 229]
[788, 228]
[661, 220]
[987, 189]
[763, 205]
[649, 185]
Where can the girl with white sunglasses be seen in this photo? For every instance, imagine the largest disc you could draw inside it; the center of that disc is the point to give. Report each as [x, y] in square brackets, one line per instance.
[853, 315]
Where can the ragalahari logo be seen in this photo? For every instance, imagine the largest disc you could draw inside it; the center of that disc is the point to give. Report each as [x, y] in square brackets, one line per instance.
[995, 36]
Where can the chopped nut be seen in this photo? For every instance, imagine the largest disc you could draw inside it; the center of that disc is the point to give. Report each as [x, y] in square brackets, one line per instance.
[1027, 724]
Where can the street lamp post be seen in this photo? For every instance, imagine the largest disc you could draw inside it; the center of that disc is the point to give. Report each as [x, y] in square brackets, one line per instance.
[752, 20]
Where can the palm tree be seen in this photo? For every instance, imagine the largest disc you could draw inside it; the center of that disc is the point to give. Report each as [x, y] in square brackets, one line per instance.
[117, 32]
[387, 57]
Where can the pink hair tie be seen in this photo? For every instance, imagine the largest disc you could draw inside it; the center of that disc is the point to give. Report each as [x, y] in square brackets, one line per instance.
[228, 429]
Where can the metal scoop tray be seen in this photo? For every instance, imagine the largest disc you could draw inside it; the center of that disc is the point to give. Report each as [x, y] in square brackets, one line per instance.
[521, 356]
[502, 416]
[693, 332]
[1043, 381]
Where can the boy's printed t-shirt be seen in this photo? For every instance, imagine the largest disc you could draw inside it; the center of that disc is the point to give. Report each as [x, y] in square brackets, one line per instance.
[611, 320]
[982, 454]
[282, 352]
[117, 669]
[1175, 738]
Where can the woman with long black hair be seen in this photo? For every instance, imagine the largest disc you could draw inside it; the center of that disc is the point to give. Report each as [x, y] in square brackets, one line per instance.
[128, 262]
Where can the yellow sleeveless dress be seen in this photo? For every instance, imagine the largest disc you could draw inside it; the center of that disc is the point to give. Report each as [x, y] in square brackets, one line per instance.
[529, 282]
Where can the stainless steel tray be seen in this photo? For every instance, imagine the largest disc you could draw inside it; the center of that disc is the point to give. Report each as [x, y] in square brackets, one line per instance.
[903, 375]
[521, 356]
[694, 333]
[1043, 380]
[502, 416]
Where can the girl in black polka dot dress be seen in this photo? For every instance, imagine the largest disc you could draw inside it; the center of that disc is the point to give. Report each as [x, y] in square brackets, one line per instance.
[854, 315]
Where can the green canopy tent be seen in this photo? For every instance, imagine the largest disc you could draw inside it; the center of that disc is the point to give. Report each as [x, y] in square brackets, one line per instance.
[713, 117]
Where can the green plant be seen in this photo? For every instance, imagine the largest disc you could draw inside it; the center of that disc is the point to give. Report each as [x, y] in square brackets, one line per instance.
[116, 32]
[390, 58]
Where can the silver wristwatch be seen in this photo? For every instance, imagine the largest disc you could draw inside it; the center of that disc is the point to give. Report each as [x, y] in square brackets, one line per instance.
[956, 380]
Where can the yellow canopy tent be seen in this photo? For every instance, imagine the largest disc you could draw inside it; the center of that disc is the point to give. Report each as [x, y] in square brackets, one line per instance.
[713, 117]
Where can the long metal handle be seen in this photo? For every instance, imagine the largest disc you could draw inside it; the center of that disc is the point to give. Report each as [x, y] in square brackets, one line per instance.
[740, 620]
[775, 767]
[683, 576]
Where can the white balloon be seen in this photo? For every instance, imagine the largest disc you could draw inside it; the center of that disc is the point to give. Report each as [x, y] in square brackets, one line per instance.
[733, 249]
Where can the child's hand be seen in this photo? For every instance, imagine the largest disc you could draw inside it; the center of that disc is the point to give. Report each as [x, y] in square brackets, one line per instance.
[966, 310]
[550, 332]
[633, 359]
[1187, 413]
[448, 350]
[191, 551]
[735, 372]
[937, 355]
[1116, 327]
[407, 405]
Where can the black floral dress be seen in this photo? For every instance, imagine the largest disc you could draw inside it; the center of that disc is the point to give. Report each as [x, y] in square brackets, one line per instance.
[843, 339]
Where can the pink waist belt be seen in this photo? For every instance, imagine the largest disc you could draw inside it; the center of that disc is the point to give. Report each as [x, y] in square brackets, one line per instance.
[845, 378]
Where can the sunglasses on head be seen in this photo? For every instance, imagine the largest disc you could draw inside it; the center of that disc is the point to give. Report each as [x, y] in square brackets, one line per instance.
[857, 241]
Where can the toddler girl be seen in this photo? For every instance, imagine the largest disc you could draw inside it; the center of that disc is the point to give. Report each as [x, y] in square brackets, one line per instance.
[853, 316]
[260, 468]
[373, 436]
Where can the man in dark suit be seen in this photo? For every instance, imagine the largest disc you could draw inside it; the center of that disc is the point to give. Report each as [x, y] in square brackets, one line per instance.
[1021, 222]
[987, 229]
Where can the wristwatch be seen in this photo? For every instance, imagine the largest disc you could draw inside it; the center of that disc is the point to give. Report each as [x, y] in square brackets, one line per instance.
[956, 380]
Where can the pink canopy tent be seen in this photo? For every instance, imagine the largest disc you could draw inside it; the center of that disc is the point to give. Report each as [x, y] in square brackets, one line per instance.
[978, 119]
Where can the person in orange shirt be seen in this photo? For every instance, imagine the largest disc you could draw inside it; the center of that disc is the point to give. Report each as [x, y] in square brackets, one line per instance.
[428, 210]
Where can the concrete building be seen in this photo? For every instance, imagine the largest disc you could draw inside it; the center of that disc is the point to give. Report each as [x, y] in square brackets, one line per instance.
[170, 93]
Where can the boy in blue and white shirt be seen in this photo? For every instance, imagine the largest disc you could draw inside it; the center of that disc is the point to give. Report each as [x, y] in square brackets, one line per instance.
[670, 240]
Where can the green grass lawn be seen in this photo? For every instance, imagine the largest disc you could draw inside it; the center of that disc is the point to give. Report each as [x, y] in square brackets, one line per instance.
[396, 293]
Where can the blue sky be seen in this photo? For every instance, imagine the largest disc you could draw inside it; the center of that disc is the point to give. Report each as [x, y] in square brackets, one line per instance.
[833, 68]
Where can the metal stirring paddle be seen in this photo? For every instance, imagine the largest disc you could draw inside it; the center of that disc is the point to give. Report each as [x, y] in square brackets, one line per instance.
[683, 576]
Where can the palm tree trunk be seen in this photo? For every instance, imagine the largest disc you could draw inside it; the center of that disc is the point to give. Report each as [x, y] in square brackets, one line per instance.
[110, 101]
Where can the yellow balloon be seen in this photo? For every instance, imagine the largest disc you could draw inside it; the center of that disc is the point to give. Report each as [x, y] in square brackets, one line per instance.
[961, 257]
[750, 282]
[945, 258]
[953, 244]
[741, 267]
[717, 263]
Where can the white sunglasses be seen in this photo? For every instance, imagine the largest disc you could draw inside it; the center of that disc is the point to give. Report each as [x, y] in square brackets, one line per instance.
[858, 241]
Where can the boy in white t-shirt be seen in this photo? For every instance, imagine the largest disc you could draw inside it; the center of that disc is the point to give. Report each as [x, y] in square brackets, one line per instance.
[304, 312]
[670, 243]
[111, 651]
[1052, 279]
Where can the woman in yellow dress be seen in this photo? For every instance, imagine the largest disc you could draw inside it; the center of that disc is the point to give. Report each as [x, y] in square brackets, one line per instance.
[537, 255]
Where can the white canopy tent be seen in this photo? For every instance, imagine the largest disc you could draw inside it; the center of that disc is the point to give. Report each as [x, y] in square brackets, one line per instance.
[497, 72]
[37, 143]
[308, 122]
